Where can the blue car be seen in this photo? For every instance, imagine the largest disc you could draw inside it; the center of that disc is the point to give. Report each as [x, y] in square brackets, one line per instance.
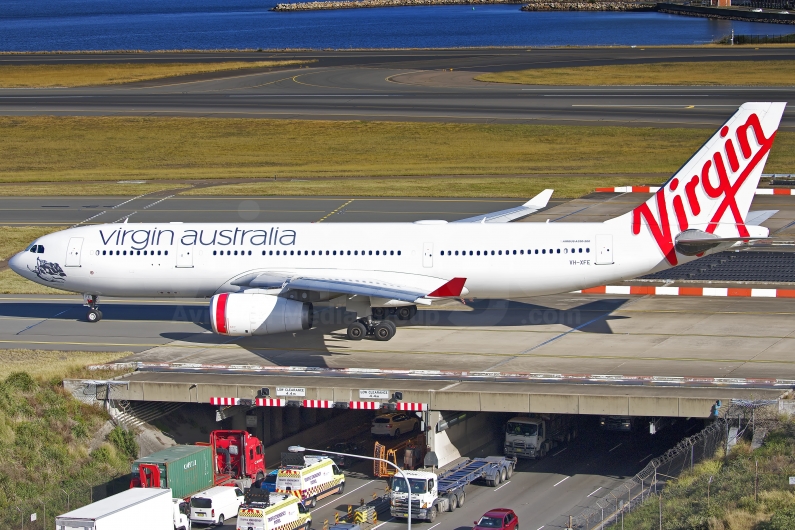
[269, 482]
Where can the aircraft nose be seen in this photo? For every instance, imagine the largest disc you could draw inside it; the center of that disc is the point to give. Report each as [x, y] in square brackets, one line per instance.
[17, 262]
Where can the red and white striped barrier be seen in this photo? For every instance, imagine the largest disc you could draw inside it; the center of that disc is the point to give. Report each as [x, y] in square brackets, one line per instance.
[224, 401]
[655, 189]
[271, 402]
[414, 407]
[318, 404]
[364, 405]
[739, 292]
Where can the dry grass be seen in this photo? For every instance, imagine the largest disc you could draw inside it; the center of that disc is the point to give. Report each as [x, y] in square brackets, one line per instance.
[62, 149]
[574, 186]
[72, 75]
[14, 239]
[13, 283]
[83, 189]
[753, 73]
[45, 365]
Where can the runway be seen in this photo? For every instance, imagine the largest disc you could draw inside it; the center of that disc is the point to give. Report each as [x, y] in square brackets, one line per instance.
[407, 85]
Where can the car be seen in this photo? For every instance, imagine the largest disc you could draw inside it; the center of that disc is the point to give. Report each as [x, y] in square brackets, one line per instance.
[504, 518]
[213, 506]
[351, 448]
[783, 12]
[757, 10]
[269, 482]
[394, 424]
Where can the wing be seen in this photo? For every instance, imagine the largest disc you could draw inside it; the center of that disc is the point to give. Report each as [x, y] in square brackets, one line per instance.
[400, 287]
[511, 214]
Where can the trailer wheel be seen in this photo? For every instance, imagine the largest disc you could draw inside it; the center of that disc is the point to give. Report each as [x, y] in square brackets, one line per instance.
[503, 474]
[461, 498]
[341, 489]
[311, 502]
[452, 502]
[509, 471]
[432, 514]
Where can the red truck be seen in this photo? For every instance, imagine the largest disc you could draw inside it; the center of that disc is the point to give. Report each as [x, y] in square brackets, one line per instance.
[237, 455]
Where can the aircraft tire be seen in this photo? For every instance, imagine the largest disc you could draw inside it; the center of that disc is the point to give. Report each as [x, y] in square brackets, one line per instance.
[405, 312]
[94, 315]
[356, 331]
[384, 331]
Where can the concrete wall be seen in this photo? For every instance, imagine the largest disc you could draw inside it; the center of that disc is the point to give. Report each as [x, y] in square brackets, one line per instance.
[479, 432]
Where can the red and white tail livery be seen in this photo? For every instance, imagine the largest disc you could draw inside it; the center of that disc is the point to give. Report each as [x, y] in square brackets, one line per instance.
[266, 278]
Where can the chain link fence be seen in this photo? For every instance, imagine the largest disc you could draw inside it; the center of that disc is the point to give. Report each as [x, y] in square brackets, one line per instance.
[758, 39]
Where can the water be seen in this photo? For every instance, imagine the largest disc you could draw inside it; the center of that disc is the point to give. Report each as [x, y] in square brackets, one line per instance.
[33, 25]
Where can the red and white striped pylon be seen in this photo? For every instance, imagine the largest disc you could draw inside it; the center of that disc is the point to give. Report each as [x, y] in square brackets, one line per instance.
[318, 404]
[225, 401]
[738, 292]
[271, 402]
[260, 402]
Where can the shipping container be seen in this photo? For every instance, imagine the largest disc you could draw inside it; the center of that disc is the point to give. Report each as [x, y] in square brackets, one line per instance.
[185, 469]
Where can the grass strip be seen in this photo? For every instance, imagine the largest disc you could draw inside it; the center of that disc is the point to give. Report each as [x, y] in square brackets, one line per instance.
[731, 504]
[73, 75]
[63, 149]
[15, 239]
[719, 73]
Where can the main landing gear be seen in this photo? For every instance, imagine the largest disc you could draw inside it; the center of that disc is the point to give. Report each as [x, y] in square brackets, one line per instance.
[377, 325]
[94, 314]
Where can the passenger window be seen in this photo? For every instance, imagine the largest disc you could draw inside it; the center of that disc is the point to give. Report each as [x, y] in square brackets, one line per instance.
[103, 252]
[215, 252]
[158, 252]
[521, 251]
[165, 252]
[336, 470]
[456, 253]
[238, 492]
[301, 507]
[398, 253]
[544, 251]
[124, 252]
[536, 251]
[391, 252]
[514, 252]
[587, 250]
[263, 252]
[558, 251]
[137, 252]
[249, 252]
[369, 253]
[292, 252]
[349, 252]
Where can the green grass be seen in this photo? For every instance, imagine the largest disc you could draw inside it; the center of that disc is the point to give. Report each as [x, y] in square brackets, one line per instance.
[91, 149]
[72, 75]
[14, 239]
[719, 73]
[731, 504]
[48, 449]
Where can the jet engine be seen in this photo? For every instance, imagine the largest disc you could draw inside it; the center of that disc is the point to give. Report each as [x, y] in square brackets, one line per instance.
[243, 314]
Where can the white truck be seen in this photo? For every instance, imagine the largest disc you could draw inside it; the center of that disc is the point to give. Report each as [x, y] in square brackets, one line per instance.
[534, 436]
[136, 508]
[432, 493]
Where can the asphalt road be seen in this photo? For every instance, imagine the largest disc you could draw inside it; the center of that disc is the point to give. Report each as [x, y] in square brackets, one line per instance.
[408, 85]
[543, 493]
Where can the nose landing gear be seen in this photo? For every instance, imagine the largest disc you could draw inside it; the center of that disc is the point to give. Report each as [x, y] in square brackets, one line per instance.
[92, 301]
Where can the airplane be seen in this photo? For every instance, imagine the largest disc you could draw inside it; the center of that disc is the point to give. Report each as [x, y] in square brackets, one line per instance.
[263, 278]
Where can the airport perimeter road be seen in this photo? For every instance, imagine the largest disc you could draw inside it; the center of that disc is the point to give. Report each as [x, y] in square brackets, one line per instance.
[409, 85]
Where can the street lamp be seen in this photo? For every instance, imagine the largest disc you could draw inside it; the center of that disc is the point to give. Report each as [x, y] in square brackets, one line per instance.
[301, 449]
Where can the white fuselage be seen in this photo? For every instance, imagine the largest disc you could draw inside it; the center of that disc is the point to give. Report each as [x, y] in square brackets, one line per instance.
[200, 260]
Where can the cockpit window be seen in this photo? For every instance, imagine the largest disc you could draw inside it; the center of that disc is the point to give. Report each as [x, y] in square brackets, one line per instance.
[37, 249]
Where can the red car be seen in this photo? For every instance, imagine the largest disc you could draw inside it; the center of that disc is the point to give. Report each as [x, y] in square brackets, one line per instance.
[498, 518]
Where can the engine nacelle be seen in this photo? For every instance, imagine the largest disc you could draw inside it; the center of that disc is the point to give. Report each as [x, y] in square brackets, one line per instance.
[242, 314]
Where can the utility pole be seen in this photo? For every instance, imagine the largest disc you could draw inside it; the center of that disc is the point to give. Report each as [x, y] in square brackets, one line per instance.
[660, 510]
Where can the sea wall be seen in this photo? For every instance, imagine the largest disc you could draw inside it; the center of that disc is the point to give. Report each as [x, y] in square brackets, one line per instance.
[727, 13]
[546, 5]
[356, 4]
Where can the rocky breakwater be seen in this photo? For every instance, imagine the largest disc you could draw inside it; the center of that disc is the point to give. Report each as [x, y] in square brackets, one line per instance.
[357, 4]
[541, 5]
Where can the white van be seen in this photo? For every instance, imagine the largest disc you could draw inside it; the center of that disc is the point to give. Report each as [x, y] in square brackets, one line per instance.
[309, 477]
[269, 511]
[214, 505]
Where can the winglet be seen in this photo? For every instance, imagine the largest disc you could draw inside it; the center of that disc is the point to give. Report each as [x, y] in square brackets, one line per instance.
[452, 288]
[540, 200]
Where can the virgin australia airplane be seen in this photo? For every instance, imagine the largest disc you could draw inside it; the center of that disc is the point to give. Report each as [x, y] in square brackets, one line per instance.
[263, 278]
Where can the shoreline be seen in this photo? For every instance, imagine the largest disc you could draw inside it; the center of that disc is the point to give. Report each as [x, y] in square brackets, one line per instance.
[323, 5]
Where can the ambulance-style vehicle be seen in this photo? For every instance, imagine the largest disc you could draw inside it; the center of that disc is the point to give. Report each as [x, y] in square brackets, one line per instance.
[263, 510]
[309, 477]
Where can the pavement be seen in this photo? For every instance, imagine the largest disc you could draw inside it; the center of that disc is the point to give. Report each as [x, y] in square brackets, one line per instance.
[397, 85]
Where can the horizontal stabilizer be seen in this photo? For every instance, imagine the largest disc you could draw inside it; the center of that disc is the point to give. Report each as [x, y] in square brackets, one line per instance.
[512, 214]
[759, 217]
[694, 242]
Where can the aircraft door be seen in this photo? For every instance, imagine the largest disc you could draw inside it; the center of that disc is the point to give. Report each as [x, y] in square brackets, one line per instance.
[73, 252]
[427, 255]
[184, 255]
[604, 249]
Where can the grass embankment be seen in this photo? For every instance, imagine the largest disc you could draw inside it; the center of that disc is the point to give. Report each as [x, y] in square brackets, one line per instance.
[91, 149]
[754, 73]
[48, 440]
[731, 504]
[73, 75]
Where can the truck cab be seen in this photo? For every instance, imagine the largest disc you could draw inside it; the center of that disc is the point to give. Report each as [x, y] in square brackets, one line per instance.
[534, 436]
[424, 495]
[237, 454]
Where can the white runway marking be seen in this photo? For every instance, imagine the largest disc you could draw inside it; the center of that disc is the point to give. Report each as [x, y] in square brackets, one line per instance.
[559, 482]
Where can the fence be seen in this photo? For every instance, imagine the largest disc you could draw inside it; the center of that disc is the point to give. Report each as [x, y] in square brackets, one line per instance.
[608, 509]
[759, 39]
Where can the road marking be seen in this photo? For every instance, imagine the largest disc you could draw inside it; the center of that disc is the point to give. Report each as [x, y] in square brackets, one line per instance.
[556, 454]
[385, 522]
[540, 527]
[347, 493]
[42, 321]
[495, 489]
[434, 526]
[644, 458]
[335, 211]
[567, 478]
[594, 491]
[614, 448]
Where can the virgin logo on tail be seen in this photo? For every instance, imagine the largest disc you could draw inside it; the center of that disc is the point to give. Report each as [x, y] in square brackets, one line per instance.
[705, 197]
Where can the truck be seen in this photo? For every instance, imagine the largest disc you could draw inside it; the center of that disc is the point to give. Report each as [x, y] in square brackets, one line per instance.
[185, 469]
[432, 492]
[534, 436]
[237, 454]
[617, 423]
[262, 510]
[153, 509]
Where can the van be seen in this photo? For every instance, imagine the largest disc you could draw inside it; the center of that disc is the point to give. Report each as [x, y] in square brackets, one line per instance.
[214, 505]
[309, 477]
[263, 510]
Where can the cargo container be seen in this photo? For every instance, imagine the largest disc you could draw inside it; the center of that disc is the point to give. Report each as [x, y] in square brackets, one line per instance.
[186, 469]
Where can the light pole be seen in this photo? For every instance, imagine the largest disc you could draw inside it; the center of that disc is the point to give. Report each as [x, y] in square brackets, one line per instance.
[300, 449]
